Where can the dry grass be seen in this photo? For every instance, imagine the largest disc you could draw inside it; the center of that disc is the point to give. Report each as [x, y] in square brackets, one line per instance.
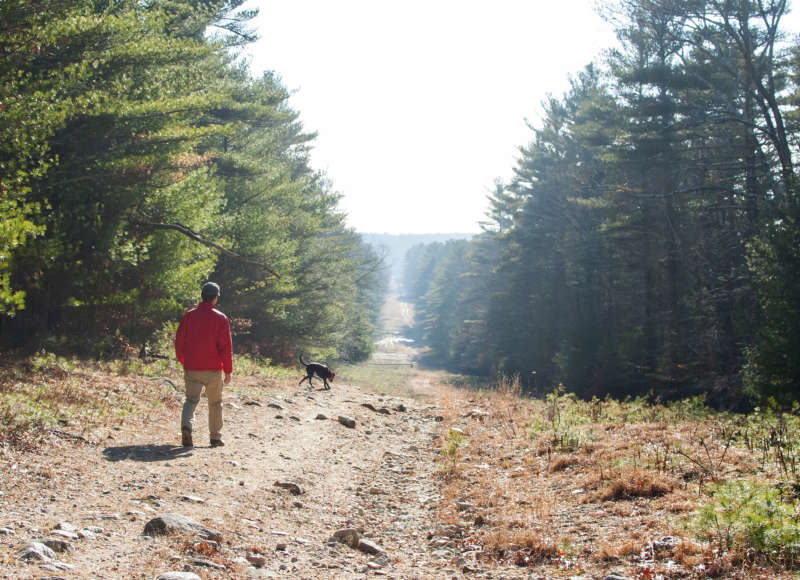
[632, 483]
[45, 395]
[561, 461]
[565, 484]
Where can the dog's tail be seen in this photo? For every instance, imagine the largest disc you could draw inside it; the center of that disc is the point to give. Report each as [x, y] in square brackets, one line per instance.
[301, 360]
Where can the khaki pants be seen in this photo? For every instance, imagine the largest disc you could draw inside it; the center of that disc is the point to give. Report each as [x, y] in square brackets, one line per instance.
[195, 381]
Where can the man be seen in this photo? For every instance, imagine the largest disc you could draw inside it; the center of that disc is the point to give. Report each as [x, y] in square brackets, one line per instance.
[204, 348]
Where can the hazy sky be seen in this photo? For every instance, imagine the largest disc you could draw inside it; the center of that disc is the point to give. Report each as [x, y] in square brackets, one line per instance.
[420, 105]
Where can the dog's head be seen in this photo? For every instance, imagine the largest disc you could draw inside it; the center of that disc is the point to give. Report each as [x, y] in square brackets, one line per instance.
[333, 374]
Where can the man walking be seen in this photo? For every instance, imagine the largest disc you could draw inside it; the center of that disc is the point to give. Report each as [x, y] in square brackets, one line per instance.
[204, 348]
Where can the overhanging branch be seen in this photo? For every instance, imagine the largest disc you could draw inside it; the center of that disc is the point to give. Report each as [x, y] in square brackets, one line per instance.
[188, 232]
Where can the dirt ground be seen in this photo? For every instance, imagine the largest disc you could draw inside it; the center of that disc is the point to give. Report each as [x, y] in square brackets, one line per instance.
[102, 485]
[375, 478]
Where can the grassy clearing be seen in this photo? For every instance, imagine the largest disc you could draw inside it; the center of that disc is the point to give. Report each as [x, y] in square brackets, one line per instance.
[579, 485]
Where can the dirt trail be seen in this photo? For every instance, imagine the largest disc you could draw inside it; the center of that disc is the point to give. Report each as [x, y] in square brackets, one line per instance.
[376, 477]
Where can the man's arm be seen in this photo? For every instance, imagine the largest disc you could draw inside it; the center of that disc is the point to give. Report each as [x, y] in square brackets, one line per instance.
[225, 349]
[180, 342]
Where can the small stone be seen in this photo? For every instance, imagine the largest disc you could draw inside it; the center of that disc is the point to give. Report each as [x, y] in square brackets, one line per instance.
[280, 547]
[57, 567]
[273, 405]
[58, 545]
[256, 559]
[207, 564]
[400, 408]
[320, 417]
[95, 529]
[37, 551]
[192, 499]
[369, 547]
[348, 422]
[293, 488]
[66, 534]
[179, 576]
[348, 536]
[179, 524]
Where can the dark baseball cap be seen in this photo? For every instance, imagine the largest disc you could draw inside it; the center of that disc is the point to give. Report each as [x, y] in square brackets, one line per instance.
[210, 289]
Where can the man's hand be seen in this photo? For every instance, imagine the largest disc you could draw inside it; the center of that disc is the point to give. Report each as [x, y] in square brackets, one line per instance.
[227, 378]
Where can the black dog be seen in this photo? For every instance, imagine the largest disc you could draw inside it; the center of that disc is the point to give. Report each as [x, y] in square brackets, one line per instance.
[322, 371]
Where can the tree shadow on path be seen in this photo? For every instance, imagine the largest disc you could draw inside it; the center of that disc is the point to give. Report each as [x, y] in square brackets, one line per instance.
[146, 452]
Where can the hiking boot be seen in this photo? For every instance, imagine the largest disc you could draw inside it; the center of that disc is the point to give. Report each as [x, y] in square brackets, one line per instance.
[217, 443]
[186, 437]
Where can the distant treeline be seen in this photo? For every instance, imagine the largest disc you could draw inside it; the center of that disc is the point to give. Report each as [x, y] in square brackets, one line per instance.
[393, 247]
[650, 237]
[138, 158]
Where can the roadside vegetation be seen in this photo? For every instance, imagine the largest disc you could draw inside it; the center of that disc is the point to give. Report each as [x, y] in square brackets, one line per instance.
[656, 489]
[46, 392]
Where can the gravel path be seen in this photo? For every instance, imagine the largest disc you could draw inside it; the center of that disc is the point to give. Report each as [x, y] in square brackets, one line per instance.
[375, 478]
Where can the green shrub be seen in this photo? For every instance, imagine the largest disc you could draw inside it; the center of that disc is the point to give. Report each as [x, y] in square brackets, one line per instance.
[751, 519]
[452, 444]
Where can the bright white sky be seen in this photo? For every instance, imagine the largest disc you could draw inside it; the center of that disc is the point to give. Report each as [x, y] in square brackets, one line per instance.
[420, 105]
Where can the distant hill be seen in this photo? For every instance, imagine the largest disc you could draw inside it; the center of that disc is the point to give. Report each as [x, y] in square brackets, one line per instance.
[395, 246]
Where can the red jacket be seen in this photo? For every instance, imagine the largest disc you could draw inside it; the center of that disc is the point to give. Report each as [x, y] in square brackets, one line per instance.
[203, 341]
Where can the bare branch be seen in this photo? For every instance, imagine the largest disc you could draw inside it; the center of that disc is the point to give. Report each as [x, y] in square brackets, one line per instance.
[199, 238]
